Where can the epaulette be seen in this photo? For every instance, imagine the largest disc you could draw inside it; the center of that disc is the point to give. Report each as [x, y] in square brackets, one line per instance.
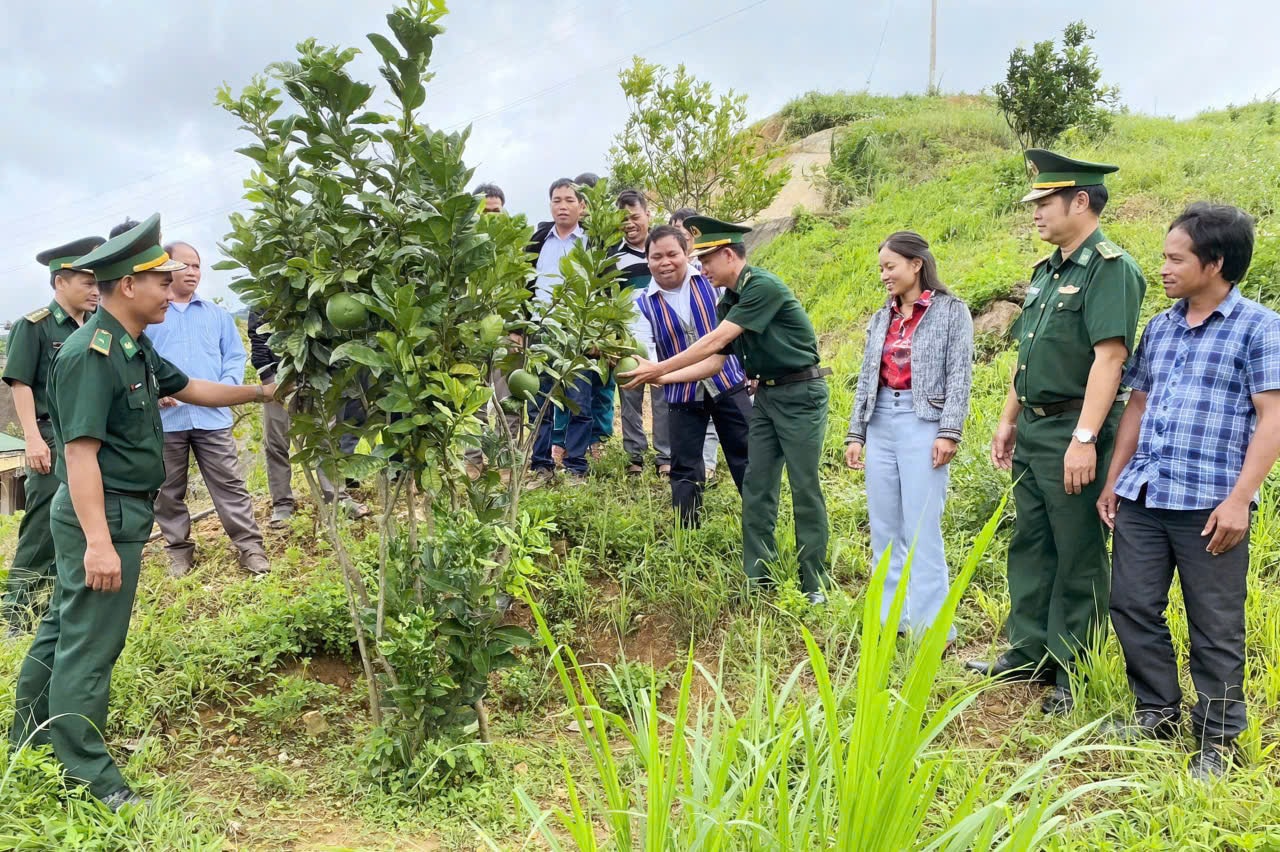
[101, 342]
[1109, 250]
[36, 316]
[1037, 264]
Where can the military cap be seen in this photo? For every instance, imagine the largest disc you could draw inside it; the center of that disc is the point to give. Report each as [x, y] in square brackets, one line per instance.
[1055, 172]
[136, 250]
[65, 256]
[710, 234]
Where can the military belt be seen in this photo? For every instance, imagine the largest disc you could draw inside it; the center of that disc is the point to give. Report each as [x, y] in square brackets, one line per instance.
[802, 376]
[149, 496]
[1069, 405]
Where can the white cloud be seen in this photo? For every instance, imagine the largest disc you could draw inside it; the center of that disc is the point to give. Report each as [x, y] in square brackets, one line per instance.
[131, 129]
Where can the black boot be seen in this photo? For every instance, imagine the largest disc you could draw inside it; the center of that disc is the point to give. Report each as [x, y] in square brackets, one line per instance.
[1145, 725]
[1058, 702]
[1210, 762]
[122, 798]
[1006, 669]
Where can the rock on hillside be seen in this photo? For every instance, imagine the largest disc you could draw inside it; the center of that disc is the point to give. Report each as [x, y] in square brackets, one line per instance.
[807, 158]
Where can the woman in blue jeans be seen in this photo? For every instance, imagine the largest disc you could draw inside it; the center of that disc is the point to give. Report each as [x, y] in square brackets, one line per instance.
[908, 412]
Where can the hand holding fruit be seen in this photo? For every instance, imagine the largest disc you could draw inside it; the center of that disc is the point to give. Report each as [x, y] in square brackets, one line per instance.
[645, 372]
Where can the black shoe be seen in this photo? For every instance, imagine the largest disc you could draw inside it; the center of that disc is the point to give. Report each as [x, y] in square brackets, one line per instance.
[1145, 725]
[121, 798]
[1059, 702]
[1006, 669]
[1210, 762]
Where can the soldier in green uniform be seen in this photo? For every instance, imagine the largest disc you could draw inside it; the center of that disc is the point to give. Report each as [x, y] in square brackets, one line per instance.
[1059, 425]
[33, 342]
[103, 394]
[764, 324]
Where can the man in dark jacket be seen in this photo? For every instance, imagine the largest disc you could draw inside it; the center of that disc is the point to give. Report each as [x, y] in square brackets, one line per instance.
[275, 438]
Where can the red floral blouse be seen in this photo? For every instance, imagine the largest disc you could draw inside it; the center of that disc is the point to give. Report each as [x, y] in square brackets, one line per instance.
[895, 360]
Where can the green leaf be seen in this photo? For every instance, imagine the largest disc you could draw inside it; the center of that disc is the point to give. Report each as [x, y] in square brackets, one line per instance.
[358, 466]
[254, 152]
[515, 636]
[385, 48]
[439, 584]
[354, 350]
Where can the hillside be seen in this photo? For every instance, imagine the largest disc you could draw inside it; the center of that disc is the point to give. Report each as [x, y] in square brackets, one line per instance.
[210, 695]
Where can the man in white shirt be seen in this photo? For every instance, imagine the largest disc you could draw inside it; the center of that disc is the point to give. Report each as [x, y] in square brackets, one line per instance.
[633, 264]
[674, 311]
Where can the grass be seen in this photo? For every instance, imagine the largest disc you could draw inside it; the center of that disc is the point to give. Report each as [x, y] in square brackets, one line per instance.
[220, 668]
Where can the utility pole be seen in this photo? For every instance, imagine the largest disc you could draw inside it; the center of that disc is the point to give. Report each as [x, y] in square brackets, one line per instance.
[933, 48]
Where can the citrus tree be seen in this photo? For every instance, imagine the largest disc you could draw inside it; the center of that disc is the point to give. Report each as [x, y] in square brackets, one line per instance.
[688, 148]
[379, 279]
[1045, 93]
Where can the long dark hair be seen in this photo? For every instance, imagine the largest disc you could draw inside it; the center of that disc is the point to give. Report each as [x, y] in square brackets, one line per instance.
[911, 245]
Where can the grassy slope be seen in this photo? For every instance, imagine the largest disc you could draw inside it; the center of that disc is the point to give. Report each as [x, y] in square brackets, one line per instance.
[210, 694]
[948, 169]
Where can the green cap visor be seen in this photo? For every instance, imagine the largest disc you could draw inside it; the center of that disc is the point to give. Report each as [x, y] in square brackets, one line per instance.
[65, 256]
[1055, 172]
[707, 243]
[712, 234]
[154, 259]
[136, 250]
[60, 263]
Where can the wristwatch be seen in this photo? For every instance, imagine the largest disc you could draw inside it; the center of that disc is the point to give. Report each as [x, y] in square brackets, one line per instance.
[1084, 436]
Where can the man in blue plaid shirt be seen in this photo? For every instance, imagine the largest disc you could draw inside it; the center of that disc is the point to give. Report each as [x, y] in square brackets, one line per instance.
[1200, 434]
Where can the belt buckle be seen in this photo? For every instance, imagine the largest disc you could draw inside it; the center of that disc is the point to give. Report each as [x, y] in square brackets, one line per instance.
[770, 382]
[1038, 412]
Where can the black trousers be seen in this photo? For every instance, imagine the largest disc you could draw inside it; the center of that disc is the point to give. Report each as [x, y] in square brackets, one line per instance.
[1149, 544]
[731, 412]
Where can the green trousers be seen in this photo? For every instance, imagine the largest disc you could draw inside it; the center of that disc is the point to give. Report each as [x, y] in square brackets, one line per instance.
[1059, 570]
[32, 568]
[788, 424]
[65, 681]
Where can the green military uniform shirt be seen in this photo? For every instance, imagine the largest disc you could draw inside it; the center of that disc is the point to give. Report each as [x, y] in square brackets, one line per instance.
[777, 338]
[1072, 305]
[33, 342]
[106, 385]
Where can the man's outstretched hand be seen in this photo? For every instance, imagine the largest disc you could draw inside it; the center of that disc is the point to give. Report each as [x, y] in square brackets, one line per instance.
[648, 373]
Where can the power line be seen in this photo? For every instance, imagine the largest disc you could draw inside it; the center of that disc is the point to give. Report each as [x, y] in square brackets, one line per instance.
[483, 46]
[888, 16]
[602, 66]
[240, 205]
[26, 216]
[236, 163]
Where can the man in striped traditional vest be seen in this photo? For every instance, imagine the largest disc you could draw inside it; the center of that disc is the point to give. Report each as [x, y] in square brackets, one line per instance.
[763, 324]
[676, 309]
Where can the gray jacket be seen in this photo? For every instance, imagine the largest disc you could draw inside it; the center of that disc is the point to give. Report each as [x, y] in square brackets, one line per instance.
[941, 368]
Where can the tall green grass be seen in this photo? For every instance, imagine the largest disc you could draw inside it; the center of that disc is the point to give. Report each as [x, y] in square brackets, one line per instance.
[839, 754]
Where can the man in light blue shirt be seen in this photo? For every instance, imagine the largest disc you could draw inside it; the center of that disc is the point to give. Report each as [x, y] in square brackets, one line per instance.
[550, 245]
[201, 338]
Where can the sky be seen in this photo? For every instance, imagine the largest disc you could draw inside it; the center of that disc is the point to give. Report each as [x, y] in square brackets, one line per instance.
[109, 111]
